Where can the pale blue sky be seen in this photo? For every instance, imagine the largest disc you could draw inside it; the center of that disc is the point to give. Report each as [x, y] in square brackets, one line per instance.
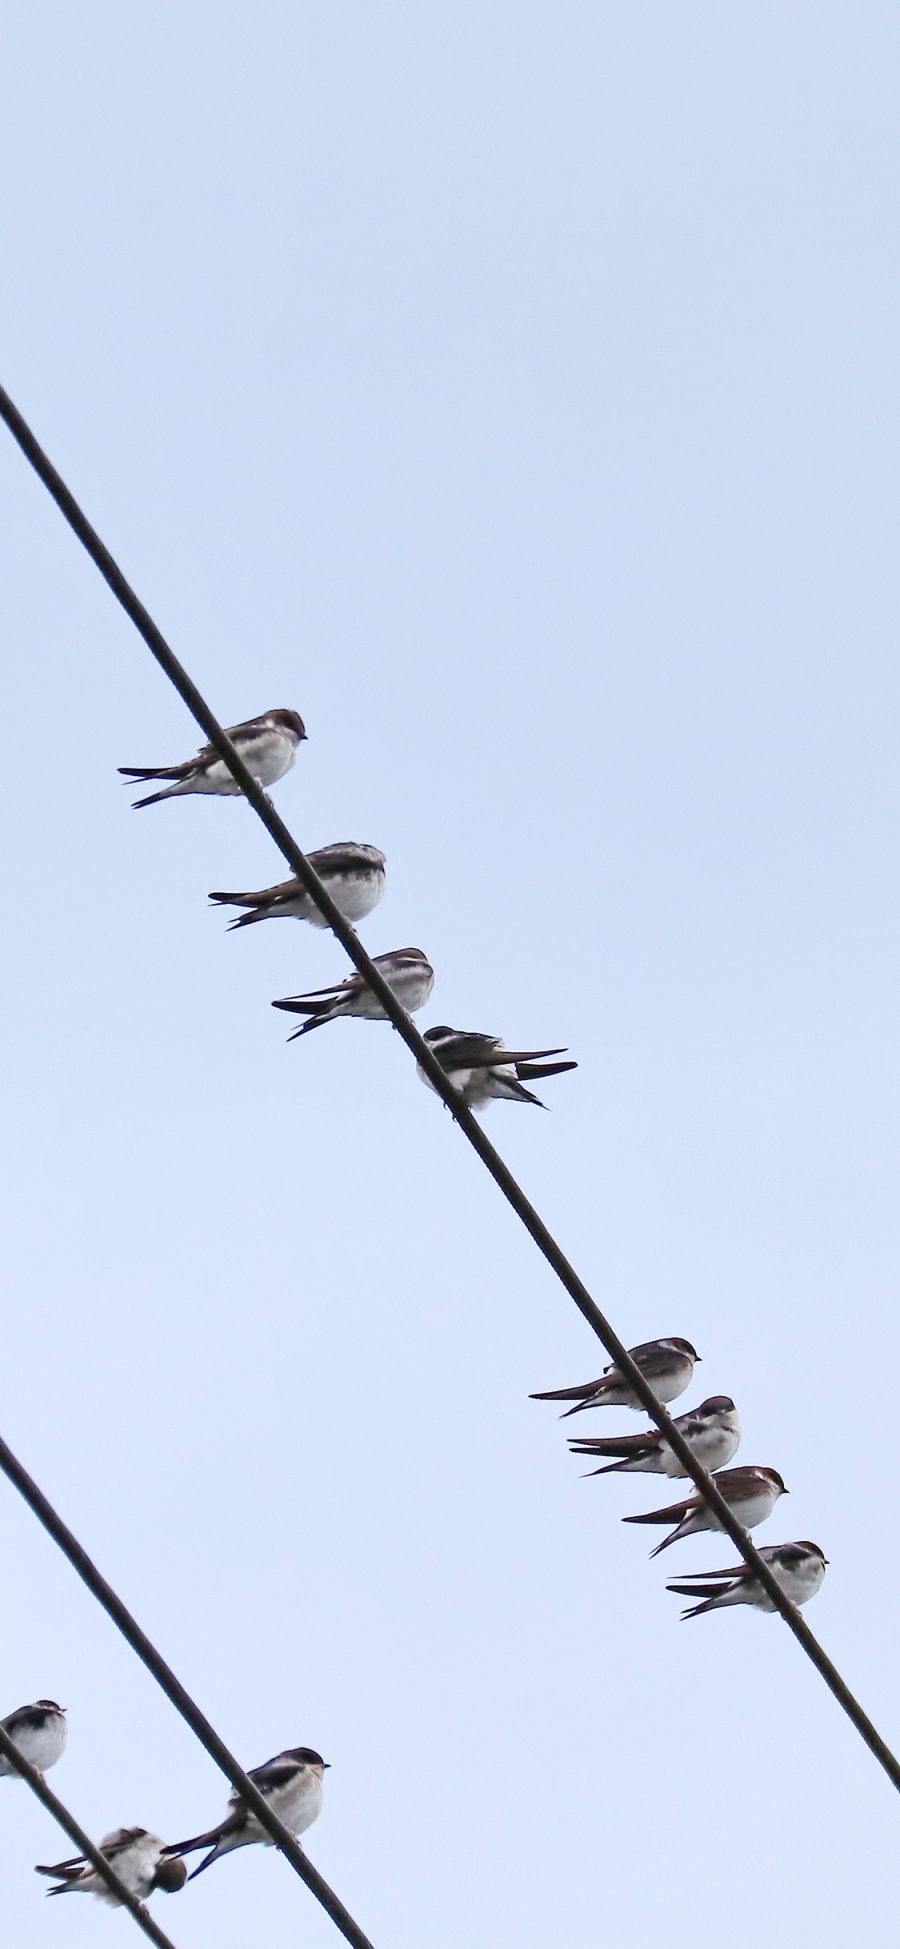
[513, 391]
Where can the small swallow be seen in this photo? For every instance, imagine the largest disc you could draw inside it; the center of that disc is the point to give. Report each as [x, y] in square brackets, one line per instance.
[481, 1068]
[799, 1568]
[38, 1732]
[406, 971]
[352, 874]
[667, 1366]
[712, 1432]
[292, 1784]
[751, 1492]
[267, 744]
[138, 1860]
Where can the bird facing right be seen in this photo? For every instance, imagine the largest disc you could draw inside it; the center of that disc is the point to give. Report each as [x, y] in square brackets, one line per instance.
[291, 1783]
[352, 873]
[407, 973]
[136, 1856]
[798, 1567]
[267, 744]
[751, 1494]
[667, 1367]
[38, 1732]
[712, 1432]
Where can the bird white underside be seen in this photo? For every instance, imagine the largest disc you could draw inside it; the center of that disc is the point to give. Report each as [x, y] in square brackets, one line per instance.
[135, 1865]
[412, 992]
[268, 757]
[714, 1448]
[799, 1585]
[41, 1748]
[355, 894]
[481, 1085]
[751, 1511]
[297, 1806]
[666, 1390]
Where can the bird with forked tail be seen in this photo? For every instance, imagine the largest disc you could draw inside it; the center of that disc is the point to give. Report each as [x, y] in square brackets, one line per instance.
[667, 1367]
[482, 1069]
[292, 1785]
[750, 1492]
[268, 746]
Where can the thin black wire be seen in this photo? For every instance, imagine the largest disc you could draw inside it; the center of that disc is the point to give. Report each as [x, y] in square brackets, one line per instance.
[83, 1842]
[428, 1062]
[53, 1523]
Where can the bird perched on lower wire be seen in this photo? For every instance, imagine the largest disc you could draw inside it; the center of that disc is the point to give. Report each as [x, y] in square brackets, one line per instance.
[353, 875]
[406, 971]
[291, 1783]
[481, 1068]
[138, 1859]
[798, 1567]
[667, 1367]
[712, 1433]
[751, 1493]
[38, 1732]
[267, 744]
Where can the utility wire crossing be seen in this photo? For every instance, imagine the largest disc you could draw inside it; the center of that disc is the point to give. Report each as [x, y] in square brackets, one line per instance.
[416, 1043]
[84, 1844]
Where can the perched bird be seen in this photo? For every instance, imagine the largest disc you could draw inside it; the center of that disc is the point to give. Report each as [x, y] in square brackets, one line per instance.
[138, 1860]
[752, 1493]
[481, 1068]
[267, 744]
[406, 971]
[799, 1568]
[712, 1432]
[38, 1732]
[292, 1784]
[667, 1367]
[352, 874]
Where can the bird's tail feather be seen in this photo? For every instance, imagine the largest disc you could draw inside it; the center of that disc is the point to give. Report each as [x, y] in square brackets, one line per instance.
[153, 771]
[153, 798]
[315, 1022]
[564, 1394]
[210, 1839]
[672, 1515]
[533, 1071]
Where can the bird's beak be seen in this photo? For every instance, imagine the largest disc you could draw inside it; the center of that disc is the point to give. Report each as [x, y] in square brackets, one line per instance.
[326, 1766]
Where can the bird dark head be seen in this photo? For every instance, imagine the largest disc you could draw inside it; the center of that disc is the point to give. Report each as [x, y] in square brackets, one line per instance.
[776, 1481]
[438, 1034]
[684, 1346]
[290, 721]
[48, 1705]
[307, 1756]
[809, 1549]
[170, 1875]
[717, 1404]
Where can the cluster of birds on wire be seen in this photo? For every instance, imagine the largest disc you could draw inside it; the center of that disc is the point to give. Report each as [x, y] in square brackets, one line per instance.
[481, 1069]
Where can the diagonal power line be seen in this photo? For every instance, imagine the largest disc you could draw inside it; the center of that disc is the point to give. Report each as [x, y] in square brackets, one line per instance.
[84, 1844]
[467, 1122]
[180, 1698]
